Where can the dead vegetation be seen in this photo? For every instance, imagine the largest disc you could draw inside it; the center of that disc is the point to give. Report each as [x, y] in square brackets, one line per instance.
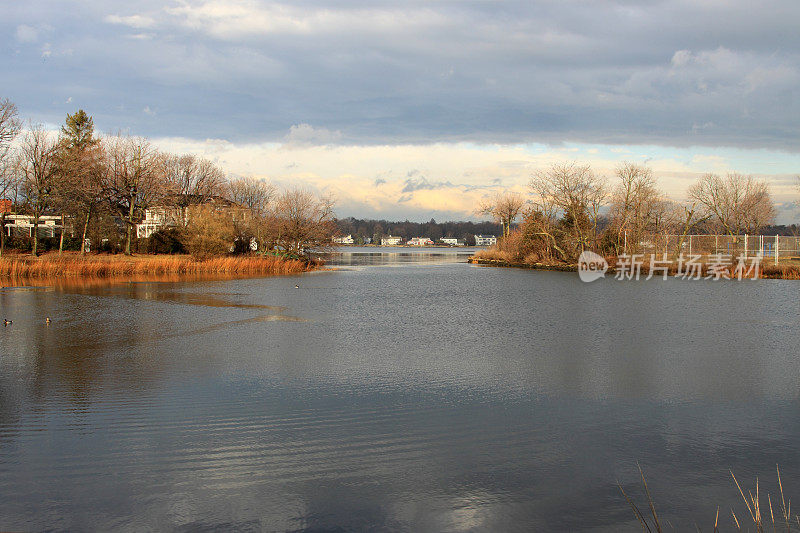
[106, 266]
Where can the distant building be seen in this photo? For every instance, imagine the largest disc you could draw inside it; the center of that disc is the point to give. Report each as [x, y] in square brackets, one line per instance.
[452, 241]
[485, 240]
[420, 241]
[5, 205]
[391, 241]
[367, 240]
[344, 240]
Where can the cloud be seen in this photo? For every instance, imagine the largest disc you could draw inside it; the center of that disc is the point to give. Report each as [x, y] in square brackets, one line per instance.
[27, 34]
[132, 21]
[447, 181]
[308, 135]
[422, 184]
[433, 72]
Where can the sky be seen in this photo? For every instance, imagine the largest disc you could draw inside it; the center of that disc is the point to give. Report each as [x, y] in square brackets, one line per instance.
[419, 110]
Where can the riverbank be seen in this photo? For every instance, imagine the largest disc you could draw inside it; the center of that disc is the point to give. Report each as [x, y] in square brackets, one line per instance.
[107, 266]
[790, 270]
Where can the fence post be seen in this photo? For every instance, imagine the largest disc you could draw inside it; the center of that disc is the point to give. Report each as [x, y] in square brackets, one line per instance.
[745, 246]
[625, 246]
[777, 247]
[690, 245]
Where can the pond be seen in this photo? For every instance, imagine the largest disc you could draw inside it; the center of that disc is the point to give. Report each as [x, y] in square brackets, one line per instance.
[403, 391]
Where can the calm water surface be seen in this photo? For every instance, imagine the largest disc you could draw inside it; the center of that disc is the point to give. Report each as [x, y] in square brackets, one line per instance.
[399, 392]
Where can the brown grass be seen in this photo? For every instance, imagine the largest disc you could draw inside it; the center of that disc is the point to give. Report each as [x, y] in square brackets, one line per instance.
[782, 519]
[108, 266]
[767, 270]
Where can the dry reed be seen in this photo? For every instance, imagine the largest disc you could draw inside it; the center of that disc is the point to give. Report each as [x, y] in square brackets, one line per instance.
[54, 266]
[783, 519]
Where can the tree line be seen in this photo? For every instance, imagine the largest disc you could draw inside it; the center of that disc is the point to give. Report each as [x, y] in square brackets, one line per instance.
[363, 229]
[103, 185]
[571, 209]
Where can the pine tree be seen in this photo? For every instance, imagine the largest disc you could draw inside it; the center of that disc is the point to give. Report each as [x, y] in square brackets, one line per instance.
[80, 165]
[78, 132]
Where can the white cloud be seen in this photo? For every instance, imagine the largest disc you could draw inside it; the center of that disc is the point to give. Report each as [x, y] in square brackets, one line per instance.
[27, 34]
[231, 19]
[132, 21]
[308, 135]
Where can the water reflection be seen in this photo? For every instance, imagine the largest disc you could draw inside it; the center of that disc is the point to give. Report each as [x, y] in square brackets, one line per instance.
[433, 397]
[388, 256]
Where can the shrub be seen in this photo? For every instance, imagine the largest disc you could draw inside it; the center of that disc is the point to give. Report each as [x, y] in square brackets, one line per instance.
[210, 233]
[166, 241]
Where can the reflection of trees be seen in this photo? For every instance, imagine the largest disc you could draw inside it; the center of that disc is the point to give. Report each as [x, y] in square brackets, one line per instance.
[89, 348]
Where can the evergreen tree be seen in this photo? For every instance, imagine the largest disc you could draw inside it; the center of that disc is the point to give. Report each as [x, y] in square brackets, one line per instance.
[80, 166]
[78, 132]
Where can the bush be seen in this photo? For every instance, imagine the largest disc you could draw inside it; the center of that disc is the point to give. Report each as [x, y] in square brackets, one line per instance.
[210, 233]
[166, 241]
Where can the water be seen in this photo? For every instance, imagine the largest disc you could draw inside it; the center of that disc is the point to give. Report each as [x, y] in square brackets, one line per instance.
[396, 393]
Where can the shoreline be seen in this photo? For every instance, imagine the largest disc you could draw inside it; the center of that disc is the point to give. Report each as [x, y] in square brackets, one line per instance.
[74, 266]
[786, 272]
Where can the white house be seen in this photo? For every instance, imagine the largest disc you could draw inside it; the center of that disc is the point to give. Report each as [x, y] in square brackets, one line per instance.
[420, 241]
[49, 225]
[485, 240]
[157, 218]
[176, 214]
[344, 240]
[390, 241]
[451, 241]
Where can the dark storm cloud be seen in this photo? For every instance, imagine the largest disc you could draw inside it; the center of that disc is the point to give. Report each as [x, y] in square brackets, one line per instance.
[662, 72]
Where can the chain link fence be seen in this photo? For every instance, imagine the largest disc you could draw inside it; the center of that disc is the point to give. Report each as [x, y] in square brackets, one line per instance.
[769, 247]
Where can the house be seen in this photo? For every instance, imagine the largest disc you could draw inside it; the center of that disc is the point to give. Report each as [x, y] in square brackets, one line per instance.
[390, 241]
[49, 225]
[420, 241]
[176, 212]
[452, 241]
[5, 205]
[160, 217]
[344, 240]
[485, 240]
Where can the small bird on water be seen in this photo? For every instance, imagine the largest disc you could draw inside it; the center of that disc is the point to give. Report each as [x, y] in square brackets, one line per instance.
[297, 286]
[6, 322]
[47, 320]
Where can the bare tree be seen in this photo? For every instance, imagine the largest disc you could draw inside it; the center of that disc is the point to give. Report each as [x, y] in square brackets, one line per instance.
[38, 171]
[638, 208]
[133, 178]
[9, 129]
[193, 179]
[576, 194]
[303, 221]
[503, 207]
[737, 203]
[251, 193]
